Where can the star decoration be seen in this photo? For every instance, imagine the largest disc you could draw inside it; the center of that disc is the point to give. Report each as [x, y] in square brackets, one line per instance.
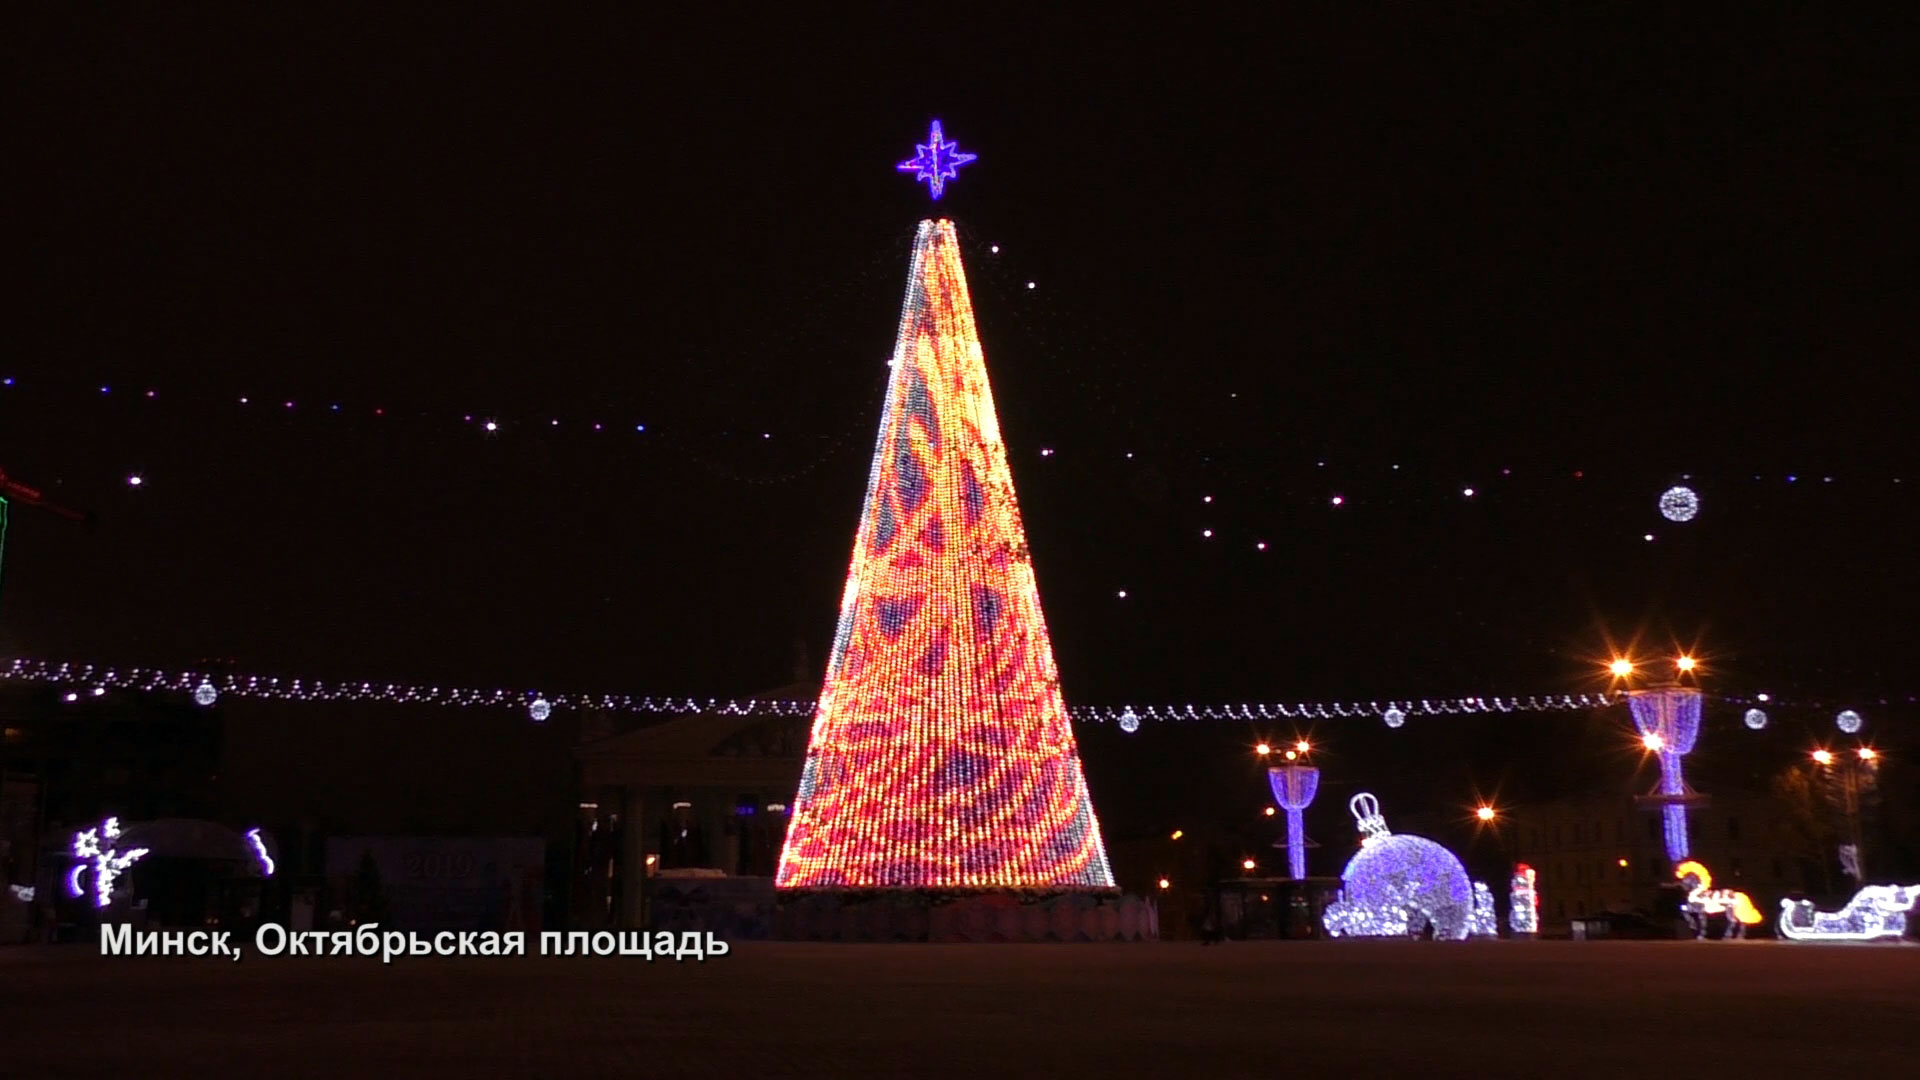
[936, 161]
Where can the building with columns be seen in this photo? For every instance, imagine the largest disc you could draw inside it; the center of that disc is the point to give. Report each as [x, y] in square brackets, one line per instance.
[698, 799]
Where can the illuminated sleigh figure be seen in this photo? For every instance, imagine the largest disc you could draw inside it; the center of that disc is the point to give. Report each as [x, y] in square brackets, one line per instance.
[1703, 901]
[1397, 885]
[1877, 912]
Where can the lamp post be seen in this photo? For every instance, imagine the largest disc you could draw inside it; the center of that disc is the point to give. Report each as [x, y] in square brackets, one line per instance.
[1294, 787]
[1668, 718]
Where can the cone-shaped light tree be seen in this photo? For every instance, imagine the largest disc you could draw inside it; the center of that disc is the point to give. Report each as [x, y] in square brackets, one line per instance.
[942, 755]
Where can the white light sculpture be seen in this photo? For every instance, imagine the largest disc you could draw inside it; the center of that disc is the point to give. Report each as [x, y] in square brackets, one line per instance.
[1484, 923]
[1876, 913]
[1397, 886]
[1523, 910]
[100, 857]
[1679, 504]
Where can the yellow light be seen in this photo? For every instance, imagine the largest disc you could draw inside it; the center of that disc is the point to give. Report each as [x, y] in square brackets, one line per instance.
[1485, 813]
[1685, 663]
[1867, 754]
[1246, 864]
[1303, 746]
[1823, 757]
[1652, 741]
[1269, 811]
[1291, 754]
[1621, 668]
[1165, 884]
[1178, 833]
[1623, 862]
[1262, 749]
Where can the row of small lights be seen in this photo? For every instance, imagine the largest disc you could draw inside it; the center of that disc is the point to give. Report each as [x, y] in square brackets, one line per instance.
[205, 691]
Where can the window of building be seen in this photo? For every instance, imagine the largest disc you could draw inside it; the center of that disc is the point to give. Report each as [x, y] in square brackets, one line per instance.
[1736, 867]
[1779, 872]
[1579, 871]
[1620, 830]
[1653, 828]
[1733, 828]
[1559, 909]
[1556, 837]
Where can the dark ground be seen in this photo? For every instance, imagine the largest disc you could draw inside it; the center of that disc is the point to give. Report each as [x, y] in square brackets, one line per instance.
[1655, 1009]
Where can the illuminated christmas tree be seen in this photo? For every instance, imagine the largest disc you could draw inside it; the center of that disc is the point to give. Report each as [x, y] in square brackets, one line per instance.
[942, 755]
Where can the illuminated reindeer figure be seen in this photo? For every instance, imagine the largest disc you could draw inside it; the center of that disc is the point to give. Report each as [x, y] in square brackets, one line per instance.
[1704, 900]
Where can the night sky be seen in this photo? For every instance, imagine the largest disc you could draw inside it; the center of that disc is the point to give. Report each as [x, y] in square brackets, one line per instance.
[1496, 250]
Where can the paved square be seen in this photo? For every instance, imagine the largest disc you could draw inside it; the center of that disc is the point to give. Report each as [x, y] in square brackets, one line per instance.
[1480, 1009]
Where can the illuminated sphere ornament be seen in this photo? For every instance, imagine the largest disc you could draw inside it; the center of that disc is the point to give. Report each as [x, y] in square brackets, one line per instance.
[1397, 886]
[204, 694]
[936, 161]
[540, 709]
[942, 754]
[1848, 721]
[1129, 721]
[1393, 716]
[1756, 719]
[1679, 504]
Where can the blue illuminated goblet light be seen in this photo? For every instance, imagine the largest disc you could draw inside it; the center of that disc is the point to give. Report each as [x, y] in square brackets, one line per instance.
[1669, 721]
[1294, 787]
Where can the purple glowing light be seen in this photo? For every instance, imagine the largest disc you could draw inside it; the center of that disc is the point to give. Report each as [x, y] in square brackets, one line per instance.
[260, 852]
[936, 161]
[1294, 787]
[1672, 714]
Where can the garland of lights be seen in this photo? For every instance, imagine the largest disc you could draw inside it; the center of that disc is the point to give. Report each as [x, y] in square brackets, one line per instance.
[207, 688]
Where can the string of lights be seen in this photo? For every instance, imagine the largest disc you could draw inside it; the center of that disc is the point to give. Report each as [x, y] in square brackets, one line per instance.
[207, 687]
[809, 448]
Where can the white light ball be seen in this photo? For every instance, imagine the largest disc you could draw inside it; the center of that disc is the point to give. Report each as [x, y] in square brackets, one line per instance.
[204, 694]
[1393, 716]
[1848, 721]
[1756, 719]
[540, 710]
[1679, 504]
[1129, 723]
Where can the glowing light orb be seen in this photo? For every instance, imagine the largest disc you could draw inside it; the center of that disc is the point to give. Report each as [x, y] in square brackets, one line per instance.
[135, 480]
[1393, 716]
[540, 709]
[1823, 757]
[936, 161]
[205, 694]
[1484, 813]
[1679, 504]
[1848, 721]
[1129, 722]
[1684, 663]
[1621, 668]
[1755, 719]
[1652, 741]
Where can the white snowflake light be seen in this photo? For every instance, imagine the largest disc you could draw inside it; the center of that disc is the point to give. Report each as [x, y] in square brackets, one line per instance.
[1848, 721]
[1129, 721]
[1756, 719]
[1393, 716]
[540, 709]
[205, 694]
[1679, 504]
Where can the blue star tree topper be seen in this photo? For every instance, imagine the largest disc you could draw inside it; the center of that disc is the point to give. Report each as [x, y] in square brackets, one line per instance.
[936, 161]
